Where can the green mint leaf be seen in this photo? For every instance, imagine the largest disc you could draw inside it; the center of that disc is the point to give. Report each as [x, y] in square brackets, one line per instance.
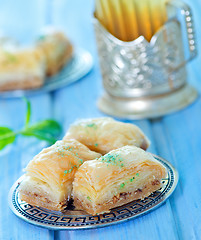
[48, 126]
[46, 130]
[28, 112]
[40, 135]
[7, 136]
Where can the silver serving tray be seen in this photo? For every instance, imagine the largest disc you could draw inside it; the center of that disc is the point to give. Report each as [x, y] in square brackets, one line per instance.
[74, 219]
[78, 67]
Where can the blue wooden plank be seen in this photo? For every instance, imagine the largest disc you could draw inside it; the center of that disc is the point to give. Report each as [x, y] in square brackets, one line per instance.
[179, 141]
[22, 19]
[67, 16]
[13, 159]
[145, 227]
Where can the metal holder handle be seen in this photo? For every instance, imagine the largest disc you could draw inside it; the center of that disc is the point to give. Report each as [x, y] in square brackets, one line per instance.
[186, 13]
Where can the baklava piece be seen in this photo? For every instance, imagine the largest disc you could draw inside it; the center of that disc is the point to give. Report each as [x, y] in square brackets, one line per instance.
[21, 68]
[105, 134]
[56, 48]
[121, 176]
[49, 176]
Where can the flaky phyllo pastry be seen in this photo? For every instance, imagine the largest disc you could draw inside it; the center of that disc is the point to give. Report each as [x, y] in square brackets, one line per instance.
[49, 176]
[57, 49]
[123, 175]
[21, 68]
[105, 134]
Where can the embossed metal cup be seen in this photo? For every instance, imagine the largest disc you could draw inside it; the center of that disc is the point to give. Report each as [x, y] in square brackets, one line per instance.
[147, 79]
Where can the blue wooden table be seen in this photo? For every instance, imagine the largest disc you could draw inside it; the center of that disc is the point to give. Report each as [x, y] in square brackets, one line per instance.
[176, 137]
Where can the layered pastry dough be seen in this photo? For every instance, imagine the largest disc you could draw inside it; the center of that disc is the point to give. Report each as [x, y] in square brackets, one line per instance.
[21, 68]
[123, 175]
[105, 134]
[49, 176]
[57, 49]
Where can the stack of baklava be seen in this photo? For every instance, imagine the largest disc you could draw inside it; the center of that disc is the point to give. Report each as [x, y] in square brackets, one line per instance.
[100, 164]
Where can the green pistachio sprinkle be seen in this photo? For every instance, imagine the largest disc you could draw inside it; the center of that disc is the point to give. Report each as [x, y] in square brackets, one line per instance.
[96, 144]
[68, 148]
[137, 174]
[114, 159]
[88, 198]
[122, 185]
[92, 125]
[131, 179]
[65, 151]
[10, 57]
[75, 166]
[70, 170]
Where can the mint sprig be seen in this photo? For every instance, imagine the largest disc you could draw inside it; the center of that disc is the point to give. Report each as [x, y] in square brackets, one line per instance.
[47, 130]
[44, 130]
[28, 112]
[7, 136]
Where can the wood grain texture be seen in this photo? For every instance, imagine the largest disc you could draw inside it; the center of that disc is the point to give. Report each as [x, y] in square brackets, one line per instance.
[176, 137]
[21, 20]
[12, 161]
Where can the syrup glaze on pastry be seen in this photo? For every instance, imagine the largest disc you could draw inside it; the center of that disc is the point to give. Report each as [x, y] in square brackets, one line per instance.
[105, 134]
[49, 176]
[121, 176]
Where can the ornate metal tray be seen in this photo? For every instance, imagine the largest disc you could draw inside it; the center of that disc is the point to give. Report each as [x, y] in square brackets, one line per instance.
[74, 219]
[77, 68]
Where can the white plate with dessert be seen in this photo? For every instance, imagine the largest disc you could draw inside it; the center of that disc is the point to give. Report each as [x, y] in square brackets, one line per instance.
[49, 64]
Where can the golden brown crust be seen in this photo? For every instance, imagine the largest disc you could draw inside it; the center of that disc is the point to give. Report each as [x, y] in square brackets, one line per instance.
[36, 200]
[49, 177]
[105, 134]
[53, 69]
[118, 200]
[121, 176]
[56, 48]
[145, 144]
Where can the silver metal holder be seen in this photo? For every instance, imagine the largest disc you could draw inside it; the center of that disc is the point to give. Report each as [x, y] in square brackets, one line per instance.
[145, 79]
[147, 107]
